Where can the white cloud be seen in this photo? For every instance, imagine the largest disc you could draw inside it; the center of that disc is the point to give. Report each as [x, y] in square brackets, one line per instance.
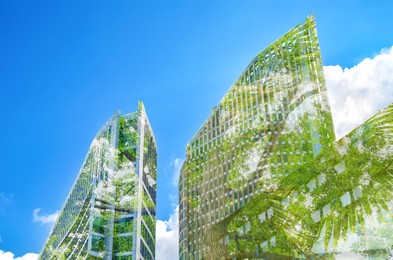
[357, 93]
[44, 218]
[167, 247]
[177, 163]
[10, 256]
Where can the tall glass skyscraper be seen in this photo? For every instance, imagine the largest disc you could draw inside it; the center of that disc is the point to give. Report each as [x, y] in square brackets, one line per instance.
[110, 211]
[264, 177]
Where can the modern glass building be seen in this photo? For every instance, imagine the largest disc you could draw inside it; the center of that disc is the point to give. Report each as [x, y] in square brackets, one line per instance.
[110, 211]
[264, 177]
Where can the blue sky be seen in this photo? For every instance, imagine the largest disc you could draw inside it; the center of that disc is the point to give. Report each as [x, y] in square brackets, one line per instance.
[67, 66]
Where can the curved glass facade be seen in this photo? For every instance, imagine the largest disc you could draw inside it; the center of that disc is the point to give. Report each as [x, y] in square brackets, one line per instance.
[110, 211]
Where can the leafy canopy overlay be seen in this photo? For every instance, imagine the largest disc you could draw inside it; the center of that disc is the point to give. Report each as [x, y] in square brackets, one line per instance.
[264, 177]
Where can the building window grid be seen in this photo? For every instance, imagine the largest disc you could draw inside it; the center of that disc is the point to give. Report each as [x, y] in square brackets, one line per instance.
[251, 112]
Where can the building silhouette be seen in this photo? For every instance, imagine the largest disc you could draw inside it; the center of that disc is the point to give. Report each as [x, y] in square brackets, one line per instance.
[264, 177]
[110, 210]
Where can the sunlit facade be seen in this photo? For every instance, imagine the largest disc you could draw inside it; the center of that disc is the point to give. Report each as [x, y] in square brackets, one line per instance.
[264, 177]
[110, 211]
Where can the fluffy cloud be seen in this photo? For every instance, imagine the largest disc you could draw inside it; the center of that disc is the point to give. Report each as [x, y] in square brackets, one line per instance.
[44, 218]
[176, 164]
[167, 231]
[357, 93]
[10, 256]
[167, 247]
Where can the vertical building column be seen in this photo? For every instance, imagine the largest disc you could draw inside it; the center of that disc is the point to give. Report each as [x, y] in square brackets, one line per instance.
[139, 170]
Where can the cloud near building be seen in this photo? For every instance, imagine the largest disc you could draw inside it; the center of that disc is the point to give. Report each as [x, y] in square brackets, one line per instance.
[357, 93]
[11, 256]
[44, 218]
[167, 237]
